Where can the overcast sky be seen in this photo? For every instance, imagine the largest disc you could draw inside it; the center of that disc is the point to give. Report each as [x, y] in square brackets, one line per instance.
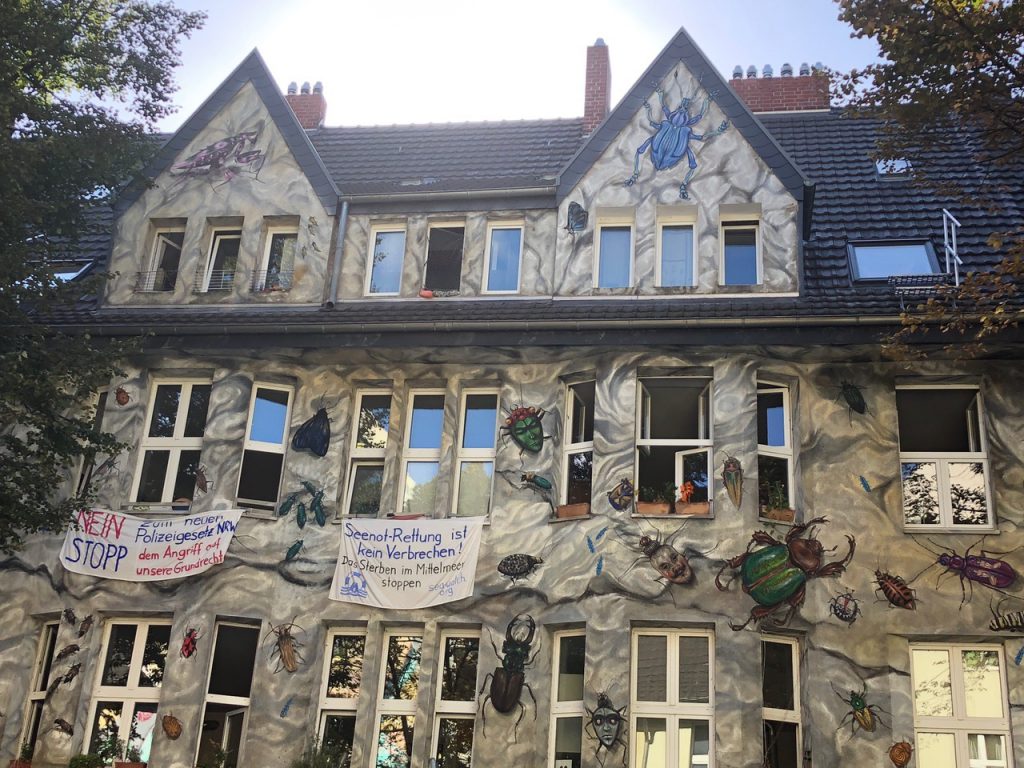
[416, 61]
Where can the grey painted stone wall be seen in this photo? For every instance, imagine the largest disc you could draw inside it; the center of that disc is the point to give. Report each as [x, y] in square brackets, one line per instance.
[834, 448]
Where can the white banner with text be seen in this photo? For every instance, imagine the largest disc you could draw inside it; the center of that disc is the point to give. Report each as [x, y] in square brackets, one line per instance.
[406, 564]
[112, 545]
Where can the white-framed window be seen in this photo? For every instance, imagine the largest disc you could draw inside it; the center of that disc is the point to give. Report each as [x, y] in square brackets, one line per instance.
[774, 447]
[126, 693]
[228, 688]
[278, 263]
[613, 266]
[673, 442]
[396, 703]
[676, 251]
[369, 442]
[164, 261]
[444, 257]
[169, 455]
[421, 457]
[568, 709]
[943, 457]
[455, 702]
[503, 257]
[478, 436]
[672, 703]
[90, 463]
[780, 702]
[961, 706]
[578, 461]
[741, 252]
[339, 694]
[222, 262]
[882, 260]
[42, 672]
[385, 261]
[266, 439]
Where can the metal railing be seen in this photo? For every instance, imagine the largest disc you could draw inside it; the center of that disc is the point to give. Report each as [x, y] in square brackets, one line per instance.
[271, 280]
[216, 280]
[155, 281]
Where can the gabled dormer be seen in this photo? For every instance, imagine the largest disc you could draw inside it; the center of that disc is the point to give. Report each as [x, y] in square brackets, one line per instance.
[237, 207]
[684, 193]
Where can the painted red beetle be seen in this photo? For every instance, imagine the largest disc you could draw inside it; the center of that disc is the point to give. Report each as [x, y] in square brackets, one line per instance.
[896, 591]
[189, 643]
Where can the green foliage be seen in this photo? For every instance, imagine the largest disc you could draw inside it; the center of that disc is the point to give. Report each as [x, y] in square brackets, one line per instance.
[949, 84]
[86, 761]
[81, 85]
[664, 493]
[26, 751]
[316, 755]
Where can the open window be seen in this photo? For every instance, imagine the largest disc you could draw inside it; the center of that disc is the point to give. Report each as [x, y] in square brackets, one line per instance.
[162, 273]
[42, 672]
[444, 258]
[266, 439]
[943, 458]
[673, 443]
[222, 262]
[780, 702]
[741, 252]
[278, 263]
[578, 461]
[226, 712]
[774, 452]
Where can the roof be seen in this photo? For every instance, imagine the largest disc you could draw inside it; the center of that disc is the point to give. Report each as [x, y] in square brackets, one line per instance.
[252, 70]
[682, 49]
[397, 159]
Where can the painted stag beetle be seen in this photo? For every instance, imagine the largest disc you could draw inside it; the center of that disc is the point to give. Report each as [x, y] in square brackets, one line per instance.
[777, 574]
[508, 681]
[673, 137]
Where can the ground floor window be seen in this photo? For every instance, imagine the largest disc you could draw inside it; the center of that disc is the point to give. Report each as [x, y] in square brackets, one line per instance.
[780, 702]
[567, 705]
[672, 701]
[42, 673]
[226, 713]
[343, 679]
[961, 711]
[455, 704]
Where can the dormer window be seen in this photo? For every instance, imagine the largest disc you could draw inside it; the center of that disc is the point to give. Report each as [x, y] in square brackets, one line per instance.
[220, 267]
[275, 272]
[163, 271]
[882, 260]
[444, 258]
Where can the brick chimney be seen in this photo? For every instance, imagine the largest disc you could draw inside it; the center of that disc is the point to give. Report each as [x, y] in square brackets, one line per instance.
[808, 91]
[597, 92]
[310, 108]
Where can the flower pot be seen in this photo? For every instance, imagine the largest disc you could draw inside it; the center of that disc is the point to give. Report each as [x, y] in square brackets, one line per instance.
[784, 515]
[125, 764]
[20, 763]
[654, 508]
[694, 508]
[567, 511]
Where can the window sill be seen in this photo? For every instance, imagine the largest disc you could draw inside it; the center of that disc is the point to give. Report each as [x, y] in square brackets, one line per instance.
[959, 529]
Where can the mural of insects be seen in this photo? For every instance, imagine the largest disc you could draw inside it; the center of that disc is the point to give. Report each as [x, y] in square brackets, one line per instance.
[777, 574]
[315, 433]
[621, 496]
[605, 725]
[523, 425]
[171, 726]
[286, 647]
[861, 713]
[854, 398]
[844, 607]
[226, 157]
[71, 674]
[896, 591]
[189, 643]
[293, 551]
[900, 753]
[671, 142]
[507, 682]
[668, 561]
[980, 569]
[1006, 622]
[518, 566]
[121, 396]
[69, 616]
[576, 219]
[66, 652]
[63, 726]
[592, 543]
[732, 477]
[86, 625]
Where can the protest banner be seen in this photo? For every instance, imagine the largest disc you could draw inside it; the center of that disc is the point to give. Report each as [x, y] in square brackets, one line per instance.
[406, 564]
[112, 545]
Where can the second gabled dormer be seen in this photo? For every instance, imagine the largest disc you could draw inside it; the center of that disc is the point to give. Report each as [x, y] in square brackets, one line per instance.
[238, 207]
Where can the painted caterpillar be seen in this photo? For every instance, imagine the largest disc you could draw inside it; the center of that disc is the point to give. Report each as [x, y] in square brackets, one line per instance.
[1007, 622]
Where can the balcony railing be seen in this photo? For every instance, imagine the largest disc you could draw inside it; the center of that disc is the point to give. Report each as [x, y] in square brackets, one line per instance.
[156, 281]
[217, 280]
[271, 281]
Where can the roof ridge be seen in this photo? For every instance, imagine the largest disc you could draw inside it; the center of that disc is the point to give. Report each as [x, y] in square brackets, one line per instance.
[462, 123]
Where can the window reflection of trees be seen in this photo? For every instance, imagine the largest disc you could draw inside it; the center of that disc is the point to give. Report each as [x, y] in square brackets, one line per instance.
[394, 742]
[968, 494]
[460, 665]
[403, 668]
[346, 672]
[920, 493]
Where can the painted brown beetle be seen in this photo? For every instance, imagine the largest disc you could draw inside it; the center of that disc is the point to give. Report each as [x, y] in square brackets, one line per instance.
[896, 591]
[286, 647]
[861, 713]
[508, 681]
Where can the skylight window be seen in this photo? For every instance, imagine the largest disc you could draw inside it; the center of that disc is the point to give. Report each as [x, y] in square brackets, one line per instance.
[879, 261]
[893, 166]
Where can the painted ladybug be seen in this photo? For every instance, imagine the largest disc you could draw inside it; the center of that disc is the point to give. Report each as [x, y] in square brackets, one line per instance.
[189, 643]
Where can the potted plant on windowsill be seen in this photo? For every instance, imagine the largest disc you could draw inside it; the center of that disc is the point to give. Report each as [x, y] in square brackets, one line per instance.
[656, 500]
[774, 502]
[569, 511]
[24, 759]
[686, 506]
[132, 759]
[86, 761]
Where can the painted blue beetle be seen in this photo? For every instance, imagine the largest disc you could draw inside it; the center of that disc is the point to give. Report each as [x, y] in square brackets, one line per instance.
[672, 140]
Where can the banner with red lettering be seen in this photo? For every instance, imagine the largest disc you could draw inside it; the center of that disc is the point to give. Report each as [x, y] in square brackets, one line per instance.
[113, 545]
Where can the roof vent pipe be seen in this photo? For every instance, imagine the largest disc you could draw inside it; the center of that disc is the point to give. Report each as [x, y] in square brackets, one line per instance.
[751, 71]
[787, 70]
[805, 69]
[319, 87]
[737, 73]
[305, 87]
[767, 71]
[293, 87]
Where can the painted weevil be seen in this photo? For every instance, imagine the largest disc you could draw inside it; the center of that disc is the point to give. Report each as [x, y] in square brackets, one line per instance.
[981, 569]
[896, 591]
[672, 140]
[69, 616]
[508, 681]
[863, 714]
[777, 574]
[518, 566]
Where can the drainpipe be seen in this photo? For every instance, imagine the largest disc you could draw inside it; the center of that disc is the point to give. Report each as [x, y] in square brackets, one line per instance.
[332, 297]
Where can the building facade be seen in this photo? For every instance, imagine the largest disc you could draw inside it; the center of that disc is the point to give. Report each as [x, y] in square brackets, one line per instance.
[758, 540]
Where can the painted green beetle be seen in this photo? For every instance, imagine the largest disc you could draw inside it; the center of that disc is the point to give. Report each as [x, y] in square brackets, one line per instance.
[523, 425]
[777, 574]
